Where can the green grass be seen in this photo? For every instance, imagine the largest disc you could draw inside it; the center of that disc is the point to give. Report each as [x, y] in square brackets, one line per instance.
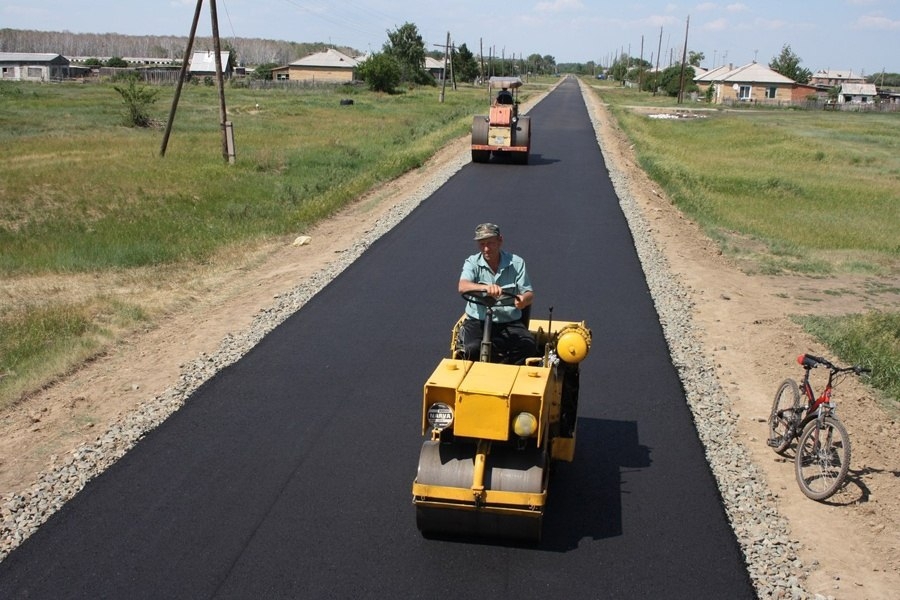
[86, 193]
[871, 340]
[817, 189]
[787, 191]
[83, 195]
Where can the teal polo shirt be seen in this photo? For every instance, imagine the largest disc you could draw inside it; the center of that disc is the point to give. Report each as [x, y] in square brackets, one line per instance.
[511, 276]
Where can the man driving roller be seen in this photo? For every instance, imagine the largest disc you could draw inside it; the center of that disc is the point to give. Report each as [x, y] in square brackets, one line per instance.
[492, 271]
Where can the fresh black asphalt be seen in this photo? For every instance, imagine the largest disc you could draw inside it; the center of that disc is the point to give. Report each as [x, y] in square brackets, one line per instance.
[288, 475]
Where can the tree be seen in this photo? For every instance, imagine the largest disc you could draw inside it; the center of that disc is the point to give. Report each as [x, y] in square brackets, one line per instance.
[695, 58]
[465, 67]
[788, 64]
[381, 72]
[406, 47]
[138, 99]
[116, 61]
[264, 71]
[670, 80]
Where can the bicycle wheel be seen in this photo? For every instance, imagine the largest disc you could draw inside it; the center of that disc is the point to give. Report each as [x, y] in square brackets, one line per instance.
[823, 458]
[785, 416]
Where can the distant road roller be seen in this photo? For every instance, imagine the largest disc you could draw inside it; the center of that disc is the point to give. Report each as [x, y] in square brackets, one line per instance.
[493, 431]
[503, 130]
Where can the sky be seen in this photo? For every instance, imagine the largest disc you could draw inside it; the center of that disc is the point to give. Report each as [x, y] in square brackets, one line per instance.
[858, 35]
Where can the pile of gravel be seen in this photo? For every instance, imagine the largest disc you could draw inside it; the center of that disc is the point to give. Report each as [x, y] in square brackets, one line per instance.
[770, 554]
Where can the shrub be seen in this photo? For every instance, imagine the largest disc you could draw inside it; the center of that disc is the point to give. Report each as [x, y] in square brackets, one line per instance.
[138, 99]
[380, 72]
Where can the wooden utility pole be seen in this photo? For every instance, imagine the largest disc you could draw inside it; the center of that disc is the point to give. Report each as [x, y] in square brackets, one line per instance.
[227, 130]
[184, 65]
[683, 60]
[641, 67]
[444, 74]
[481, 56]
[658, 51]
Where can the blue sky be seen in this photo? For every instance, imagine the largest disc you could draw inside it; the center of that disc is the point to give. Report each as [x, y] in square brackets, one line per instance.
[862, 35]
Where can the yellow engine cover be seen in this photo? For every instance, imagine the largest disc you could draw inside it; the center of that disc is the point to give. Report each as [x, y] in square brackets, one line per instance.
[482, 402]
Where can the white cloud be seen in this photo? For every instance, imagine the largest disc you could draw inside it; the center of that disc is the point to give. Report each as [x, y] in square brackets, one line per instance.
[559, 6]
[737, 7]
[877, 22]
[715, 25]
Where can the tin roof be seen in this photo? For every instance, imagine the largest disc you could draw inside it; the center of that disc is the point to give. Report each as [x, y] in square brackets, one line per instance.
[858, 89]
[749, 73]
[328, 58]
[205, 61]
[32, 57]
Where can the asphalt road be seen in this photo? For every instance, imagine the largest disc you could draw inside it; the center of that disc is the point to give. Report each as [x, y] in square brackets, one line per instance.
[288, 475]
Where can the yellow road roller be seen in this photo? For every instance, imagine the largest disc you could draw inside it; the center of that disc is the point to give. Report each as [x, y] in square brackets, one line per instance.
[493, 430]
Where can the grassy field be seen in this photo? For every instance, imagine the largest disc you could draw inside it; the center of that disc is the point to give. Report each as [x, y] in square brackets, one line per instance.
[86, 199]
[786, 191]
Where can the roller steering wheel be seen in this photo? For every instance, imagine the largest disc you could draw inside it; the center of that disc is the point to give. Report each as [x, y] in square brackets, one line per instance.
[482, 298]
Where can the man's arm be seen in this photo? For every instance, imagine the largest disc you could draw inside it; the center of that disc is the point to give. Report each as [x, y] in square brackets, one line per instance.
[471, 287]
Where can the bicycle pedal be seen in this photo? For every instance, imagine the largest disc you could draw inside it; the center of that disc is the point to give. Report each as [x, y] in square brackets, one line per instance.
[774, 442]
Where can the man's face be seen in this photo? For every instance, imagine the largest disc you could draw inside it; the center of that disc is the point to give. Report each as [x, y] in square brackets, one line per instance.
[490, 247]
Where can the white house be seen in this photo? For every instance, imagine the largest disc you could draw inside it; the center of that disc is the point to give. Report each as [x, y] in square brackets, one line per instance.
[857, 93]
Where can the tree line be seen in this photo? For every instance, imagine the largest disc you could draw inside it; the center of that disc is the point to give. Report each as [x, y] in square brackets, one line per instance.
[249, 51]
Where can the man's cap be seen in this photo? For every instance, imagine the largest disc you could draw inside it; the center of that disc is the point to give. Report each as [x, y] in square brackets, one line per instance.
[485, 231]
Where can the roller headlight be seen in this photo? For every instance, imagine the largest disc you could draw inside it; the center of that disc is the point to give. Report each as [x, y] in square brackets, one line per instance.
[440, 416]
[525, 424]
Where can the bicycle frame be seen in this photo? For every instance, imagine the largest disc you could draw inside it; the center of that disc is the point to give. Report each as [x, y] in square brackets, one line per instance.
[816, 406]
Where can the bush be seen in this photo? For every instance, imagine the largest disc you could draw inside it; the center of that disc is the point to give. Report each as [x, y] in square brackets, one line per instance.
[380, 72]
[138, 99]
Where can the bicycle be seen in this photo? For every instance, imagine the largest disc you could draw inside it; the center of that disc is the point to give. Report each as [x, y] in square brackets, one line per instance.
[823, 448]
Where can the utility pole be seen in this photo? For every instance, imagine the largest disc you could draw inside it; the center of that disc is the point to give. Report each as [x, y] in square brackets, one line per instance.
[641, 67]
[184, 66]
[444, 74]
[227, 130]
[658, 52]
[481, 57]
[683, 60]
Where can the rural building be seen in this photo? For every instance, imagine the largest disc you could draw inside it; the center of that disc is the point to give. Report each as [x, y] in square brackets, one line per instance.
[835, 78]
[752, 82]
[803, 92]
[204, 64]
[33, 66]
[329, 66]
[435, 67]
[857, 93]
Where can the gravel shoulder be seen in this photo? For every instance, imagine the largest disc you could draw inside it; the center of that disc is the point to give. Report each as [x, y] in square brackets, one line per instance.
[730, 336]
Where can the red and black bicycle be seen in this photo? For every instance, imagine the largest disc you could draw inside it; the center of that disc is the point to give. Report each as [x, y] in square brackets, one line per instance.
[823, 448]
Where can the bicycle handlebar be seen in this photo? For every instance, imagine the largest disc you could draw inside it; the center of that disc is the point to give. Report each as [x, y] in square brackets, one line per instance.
[809, 361]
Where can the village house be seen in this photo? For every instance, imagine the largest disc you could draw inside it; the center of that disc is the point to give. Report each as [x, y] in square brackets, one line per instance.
[329, 66]
[33, 66]
[203, 64]
[750, 83]
[834, 78]
[857, 93]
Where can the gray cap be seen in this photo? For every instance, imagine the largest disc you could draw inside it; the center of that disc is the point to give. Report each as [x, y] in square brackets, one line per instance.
[485, 231]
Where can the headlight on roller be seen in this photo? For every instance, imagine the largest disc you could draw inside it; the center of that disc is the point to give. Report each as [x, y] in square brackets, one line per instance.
[525, 424]
[440, 416]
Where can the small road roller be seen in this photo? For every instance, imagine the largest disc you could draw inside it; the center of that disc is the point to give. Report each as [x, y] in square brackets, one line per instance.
[493, 431]
[503, 130]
